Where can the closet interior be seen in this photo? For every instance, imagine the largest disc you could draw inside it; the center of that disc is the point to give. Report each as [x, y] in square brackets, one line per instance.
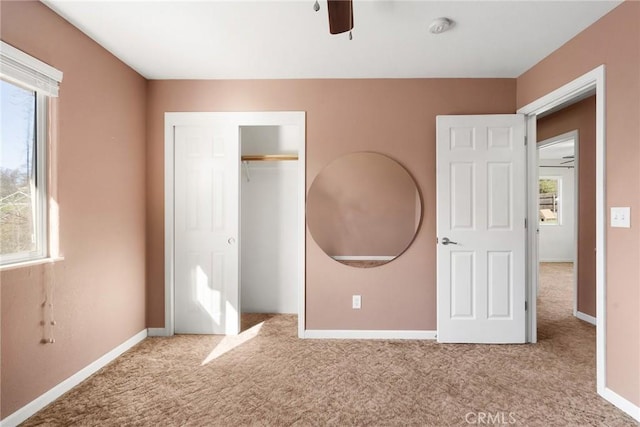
[269, 219]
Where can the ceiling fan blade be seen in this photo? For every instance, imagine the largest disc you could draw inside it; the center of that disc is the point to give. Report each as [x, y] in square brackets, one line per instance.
[568, 161]
[340, 16]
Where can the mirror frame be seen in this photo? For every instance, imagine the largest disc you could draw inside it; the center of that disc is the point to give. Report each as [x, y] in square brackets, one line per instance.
[335, 213]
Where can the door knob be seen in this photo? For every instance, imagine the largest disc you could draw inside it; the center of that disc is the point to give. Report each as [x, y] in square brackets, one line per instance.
[446, 241]
[231, 240]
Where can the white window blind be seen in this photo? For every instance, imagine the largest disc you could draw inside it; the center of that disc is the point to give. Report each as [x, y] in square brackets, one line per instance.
[21, 68]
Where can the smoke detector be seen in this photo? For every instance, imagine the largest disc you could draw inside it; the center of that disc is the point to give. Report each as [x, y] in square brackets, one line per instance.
[440, 25]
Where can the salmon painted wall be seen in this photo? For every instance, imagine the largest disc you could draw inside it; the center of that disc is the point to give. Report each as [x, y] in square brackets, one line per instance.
[392, 117]
[99, 288]
[581, 116]
[615, 42]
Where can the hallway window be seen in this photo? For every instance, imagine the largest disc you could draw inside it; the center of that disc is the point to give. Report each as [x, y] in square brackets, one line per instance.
[549, 200]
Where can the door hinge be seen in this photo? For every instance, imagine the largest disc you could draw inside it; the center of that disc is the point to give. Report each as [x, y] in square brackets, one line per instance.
[525, 223]
[526, 306]
[525, 139]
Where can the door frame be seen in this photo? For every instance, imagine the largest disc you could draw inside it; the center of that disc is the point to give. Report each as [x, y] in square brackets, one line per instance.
[275, 118]
[572, 91]
[575, 136]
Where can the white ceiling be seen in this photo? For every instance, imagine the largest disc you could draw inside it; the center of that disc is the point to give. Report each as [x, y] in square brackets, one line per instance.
[560, 152]
[287, 39]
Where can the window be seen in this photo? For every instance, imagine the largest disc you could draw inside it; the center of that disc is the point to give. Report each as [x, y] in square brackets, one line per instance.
[550, 200]
[26, 85]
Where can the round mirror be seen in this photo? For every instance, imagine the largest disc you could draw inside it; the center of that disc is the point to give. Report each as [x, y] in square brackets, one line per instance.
[363, 209]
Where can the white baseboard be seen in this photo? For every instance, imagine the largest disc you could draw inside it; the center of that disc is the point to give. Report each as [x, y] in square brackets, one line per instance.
[556, 260]
[368, 334]
[589, 319]
[621, 403]
[43, 400]
[158, 332]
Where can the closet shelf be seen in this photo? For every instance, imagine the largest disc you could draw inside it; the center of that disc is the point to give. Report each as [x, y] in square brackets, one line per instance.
[268, 157]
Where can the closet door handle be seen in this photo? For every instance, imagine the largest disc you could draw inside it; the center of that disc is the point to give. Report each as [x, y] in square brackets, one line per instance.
[231, 240]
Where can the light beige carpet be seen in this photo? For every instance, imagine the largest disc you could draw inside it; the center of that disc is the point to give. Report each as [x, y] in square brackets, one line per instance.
[277, 379]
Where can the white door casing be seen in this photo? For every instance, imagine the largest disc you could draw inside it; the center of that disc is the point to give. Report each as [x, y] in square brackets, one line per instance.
[563, 96]
[481, 210]
[218, 128]
[206, 228]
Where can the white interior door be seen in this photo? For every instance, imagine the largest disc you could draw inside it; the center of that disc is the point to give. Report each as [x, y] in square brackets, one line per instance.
[481, 211]
[206, 227]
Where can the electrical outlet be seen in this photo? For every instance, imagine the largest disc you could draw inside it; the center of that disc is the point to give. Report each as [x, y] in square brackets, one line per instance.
[356, 302]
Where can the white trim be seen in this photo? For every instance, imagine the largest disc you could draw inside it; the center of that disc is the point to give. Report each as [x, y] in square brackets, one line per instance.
[169, 207]
[622, 403]
[583, 84]
[585, 317]
[533, 262]
[42, 177]
[576, 217]
[568, 136]
[363, 257]
[271, 118]
[20, 67]
[568, 92]
[46, 398]
[31, 263]
[601, 223]
[368, 334]
[302, 225]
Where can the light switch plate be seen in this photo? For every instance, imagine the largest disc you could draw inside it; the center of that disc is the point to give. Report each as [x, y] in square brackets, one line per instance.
[621, 217]
[356, 302]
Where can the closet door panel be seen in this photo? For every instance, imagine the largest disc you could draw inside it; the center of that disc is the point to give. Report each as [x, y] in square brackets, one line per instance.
[206, 229]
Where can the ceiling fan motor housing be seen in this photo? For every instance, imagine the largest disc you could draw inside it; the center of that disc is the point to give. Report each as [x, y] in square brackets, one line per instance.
[340, 16]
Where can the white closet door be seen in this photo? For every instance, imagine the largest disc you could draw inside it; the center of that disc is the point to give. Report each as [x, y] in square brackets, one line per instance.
[206, 228]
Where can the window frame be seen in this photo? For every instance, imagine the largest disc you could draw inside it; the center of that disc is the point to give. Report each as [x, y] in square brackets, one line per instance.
[22, 70]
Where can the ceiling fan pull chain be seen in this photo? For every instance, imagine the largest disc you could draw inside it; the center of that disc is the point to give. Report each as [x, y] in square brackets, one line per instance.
[350, 36]
[316, 6]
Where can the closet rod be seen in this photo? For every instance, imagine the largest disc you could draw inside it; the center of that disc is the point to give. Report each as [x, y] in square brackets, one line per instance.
[269, 157]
